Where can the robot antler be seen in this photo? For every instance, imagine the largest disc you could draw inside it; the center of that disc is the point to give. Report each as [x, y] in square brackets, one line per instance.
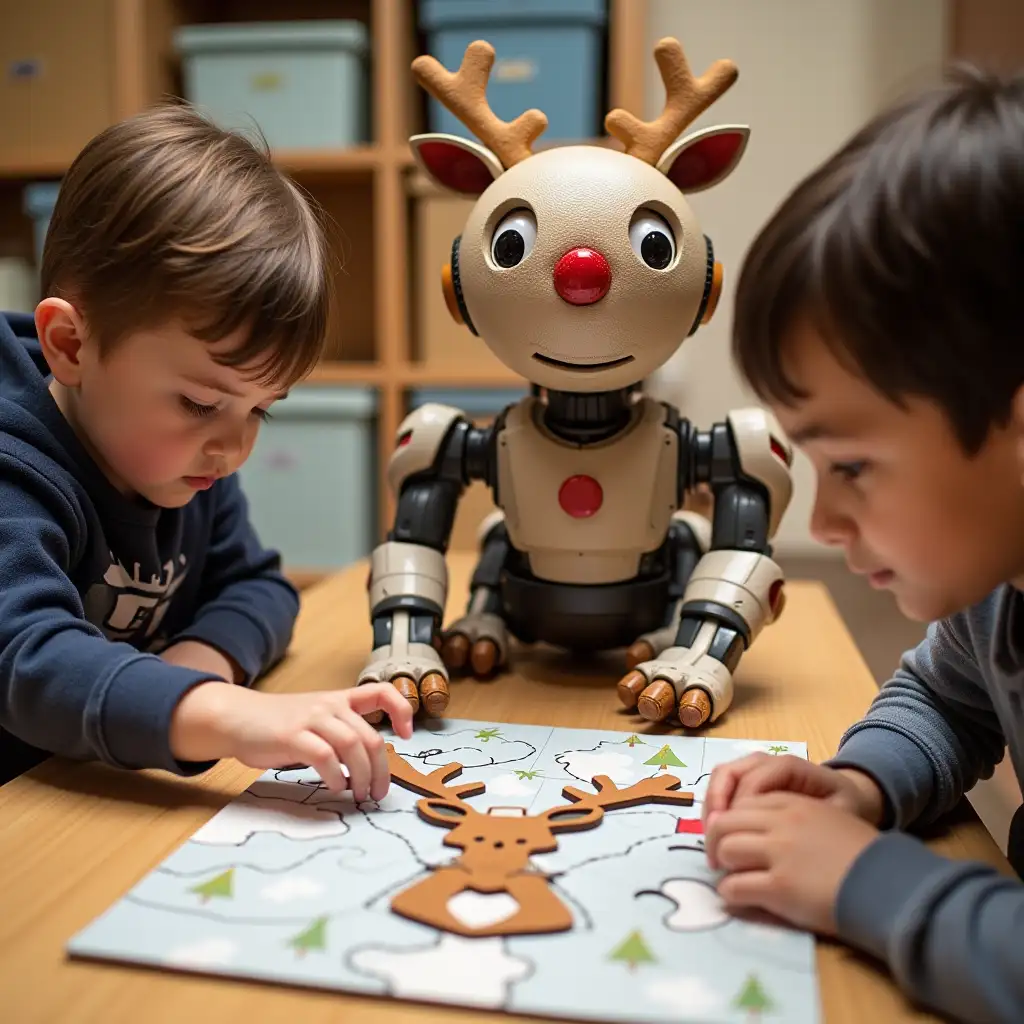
[464, 93]
[686, 98]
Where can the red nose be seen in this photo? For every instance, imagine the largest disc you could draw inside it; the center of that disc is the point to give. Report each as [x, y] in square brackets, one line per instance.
[582, 276]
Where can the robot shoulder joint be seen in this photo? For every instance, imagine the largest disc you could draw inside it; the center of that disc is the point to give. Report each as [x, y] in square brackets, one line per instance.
[421, 438]
[765, 456]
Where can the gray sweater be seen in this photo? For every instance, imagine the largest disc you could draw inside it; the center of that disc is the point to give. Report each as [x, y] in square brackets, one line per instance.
[952, 932]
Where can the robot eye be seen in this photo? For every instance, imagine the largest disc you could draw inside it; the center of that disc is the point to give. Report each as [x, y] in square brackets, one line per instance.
[513, 238]
[652, 240]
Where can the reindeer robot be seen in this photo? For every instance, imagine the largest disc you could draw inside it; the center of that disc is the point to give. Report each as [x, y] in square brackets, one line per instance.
[583, 269]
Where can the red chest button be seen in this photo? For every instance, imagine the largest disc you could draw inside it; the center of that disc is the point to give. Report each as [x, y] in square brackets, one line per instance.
[580, 496]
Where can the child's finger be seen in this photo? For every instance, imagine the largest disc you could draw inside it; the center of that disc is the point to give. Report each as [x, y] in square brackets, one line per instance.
[315, 751]
[382, 697]
[349, 750]
[792, 774]
[401, 719]
[755, 820]
[742, 851]
[376, 752]
[747, 889]
[723, 782]
[380, 770]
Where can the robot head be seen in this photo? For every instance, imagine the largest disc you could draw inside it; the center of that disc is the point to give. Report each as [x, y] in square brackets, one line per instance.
[582, 268]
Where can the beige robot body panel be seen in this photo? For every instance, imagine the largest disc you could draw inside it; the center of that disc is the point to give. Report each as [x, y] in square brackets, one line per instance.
[765, 454]
[419, 440]
[587, 515]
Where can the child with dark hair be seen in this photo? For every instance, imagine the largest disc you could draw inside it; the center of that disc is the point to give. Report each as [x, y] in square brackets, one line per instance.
[185, 287]
[879, 315]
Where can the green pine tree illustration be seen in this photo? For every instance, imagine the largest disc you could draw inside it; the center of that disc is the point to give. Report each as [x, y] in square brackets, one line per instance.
[488, 734]
[753, 998]
[633, 740]
[222, 886]
[664, 757]
[632, 951]
[778, 748]
[313, 937]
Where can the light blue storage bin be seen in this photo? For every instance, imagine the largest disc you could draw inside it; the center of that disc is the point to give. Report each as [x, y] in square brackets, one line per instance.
[37, 202]
[311, 480]
[302, 82]
[547, 55]
[474, 403]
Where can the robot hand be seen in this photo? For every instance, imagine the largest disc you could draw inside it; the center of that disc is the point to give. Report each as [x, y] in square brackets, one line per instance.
[418, 675]
[480, 639]
[696, 685]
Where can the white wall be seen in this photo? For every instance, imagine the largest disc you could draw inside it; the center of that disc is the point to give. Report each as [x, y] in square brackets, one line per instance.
[810, 73]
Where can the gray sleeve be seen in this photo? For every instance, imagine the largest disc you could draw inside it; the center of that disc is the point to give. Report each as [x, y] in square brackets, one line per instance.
[931, 732]
[951, 932]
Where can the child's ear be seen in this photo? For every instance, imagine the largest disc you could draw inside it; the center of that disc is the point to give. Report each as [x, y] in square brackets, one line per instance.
[61, 336]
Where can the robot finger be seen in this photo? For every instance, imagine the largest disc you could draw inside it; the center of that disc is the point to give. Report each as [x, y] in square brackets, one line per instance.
[406, 686]
[657, 701]
[434, 694]
[631, 686]
[455, 650]
[484, 657]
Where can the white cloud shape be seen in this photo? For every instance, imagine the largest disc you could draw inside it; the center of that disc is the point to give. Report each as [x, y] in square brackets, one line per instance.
[289, 889]
[475, 971]
[509, 785]
[585, 764]
[249, 814]
[204, 953]
[698, 905]
[689, 996]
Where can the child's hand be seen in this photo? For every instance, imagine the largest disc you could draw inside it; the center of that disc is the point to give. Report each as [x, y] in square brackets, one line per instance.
[271, 730]
[759, 773]
[788, 854]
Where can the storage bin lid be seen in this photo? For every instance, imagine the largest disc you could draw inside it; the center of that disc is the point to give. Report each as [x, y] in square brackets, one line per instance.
[39, 198]
[473, 402]
[320, 402]
[271, 35]
[479, 14]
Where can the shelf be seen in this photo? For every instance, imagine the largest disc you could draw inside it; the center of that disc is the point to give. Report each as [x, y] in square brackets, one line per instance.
[354, 160]
[339, 372]
[413, 374]
[460, 377]
[357, 160]
[28, 166]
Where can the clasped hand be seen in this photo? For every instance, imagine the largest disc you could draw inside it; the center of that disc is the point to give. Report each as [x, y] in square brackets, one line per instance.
[786, 832]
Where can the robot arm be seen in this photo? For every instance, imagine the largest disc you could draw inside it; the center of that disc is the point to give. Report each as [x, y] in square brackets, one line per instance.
[735, 589]
[437, 453]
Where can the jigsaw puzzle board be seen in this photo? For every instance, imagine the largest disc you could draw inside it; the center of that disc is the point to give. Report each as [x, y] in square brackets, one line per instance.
[292, 884]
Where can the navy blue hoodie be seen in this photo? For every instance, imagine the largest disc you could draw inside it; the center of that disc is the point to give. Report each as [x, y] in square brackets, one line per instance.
[93, 584]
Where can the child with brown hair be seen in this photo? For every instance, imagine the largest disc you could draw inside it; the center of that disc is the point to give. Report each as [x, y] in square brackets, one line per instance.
[879, 314]
[185, 286]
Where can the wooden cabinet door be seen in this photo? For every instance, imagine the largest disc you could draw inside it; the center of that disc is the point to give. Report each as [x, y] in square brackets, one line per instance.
[57, 75]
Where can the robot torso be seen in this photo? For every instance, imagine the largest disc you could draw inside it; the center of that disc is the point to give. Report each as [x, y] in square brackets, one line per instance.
[586, 514]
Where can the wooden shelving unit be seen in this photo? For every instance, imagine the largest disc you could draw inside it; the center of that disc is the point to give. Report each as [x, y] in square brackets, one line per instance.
[364, 190]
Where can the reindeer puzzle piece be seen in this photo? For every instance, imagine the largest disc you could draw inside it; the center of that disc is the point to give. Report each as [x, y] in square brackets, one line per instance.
[497, 846]
[583, 269]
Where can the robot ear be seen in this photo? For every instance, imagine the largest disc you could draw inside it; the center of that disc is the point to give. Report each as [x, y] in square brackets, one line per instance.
[704, 158]
[454, 163]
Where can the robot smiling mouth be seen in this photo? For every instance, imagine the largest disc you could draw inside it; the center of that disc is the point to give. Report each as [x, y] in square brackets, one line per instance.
[583, 367]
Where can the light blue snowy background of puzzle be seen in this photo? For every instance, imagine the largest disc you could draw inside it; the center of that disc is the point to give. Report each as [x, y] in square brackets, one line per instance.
[290, 883]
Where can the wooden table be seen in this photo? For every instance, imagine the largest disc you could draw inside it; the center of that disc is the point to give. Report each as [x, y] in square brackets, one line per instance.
[74, 838]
